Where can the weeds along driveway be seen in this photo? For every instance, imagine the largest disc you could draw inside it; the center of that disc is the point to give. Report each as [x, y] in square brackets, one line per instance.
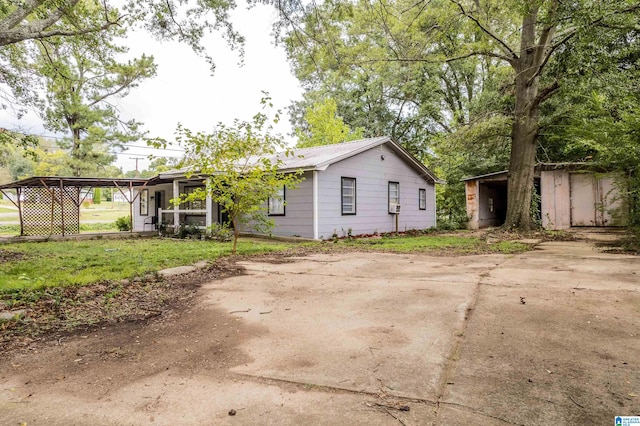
[545, 337]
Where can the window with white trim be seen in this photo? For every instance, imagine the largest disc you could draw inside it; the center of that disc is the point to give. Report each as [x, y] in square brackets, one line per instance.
[348, 195]
[144, 202]
[277, 202]
[199, 202]
[422, 199]
[394, 195]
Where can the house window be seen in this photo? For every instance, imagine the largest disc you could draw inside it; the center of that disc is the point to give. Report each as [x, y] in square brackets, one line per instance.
[422, 199]
[491, 206]
[348, 196]
[394, 196]
[198, 203]
[276, 202]
[144, 202]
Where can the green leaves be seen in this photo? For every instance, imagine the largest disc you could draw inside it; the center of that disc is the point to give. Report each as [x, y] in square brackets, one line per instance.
[239, 165]
[460, 82]
[324, 127]
[81, 79]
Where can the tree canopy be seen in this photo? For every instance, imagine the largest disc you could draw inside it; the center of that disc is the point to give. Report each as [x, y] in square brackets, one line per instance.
[324, 127]
[242, 162]
[24, 25]
[462, 74]
[82, 76]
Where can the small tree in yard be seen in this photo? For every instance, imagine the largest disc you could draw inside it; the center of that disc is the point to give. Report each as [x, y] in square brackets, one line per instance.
[241, 163]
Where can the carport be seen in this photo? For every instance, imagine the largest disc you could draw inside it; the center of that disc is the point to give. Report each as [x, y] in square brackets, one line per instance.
[50, 205]
[487, 198]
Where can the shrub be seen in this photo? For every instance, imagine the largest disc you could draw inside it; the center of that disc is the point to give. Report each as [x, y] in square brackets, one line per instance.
[123, 223]
[221, 232]
[188, 231]
[97, 196]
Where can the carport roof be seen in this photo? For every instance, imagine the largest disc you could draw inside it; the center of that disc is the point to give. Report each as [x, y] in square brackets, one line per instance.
[94, 182]
[488, 175]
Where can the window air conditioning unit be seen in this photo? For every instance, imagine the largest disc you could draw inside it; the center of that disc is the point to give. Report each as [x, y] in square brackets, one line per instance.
[394, 208]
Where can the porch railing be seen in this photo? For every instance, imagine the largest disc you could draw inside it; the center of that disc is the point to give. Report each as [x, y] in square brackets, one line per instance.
[198, 212]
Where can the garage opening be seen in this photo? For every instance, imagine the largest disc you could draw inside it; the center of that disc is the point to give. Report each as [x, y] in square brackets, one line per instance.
[493, 203]
[487, 200]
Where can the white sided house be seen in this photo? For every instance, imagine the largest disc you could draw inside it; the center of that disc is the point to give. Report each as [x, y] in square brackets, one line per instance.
[361, 187]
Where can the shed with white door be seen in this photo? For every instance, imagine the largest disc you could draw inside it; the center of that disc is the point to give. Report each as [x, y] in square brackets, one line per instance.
[570, 195]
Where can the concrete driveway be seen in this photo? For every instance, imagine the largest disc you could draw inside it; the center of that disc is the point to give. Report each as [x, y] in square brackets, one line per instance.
[551, 336]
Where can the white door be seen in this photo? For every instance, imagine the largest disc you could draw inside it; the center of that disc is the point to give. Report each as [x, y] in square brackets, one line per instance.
[595, 201]
[583, 199]
[613, 209]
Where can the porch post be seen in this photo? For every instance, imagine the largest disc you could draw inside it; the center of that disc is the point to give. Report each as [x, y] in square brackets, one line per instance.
[176, 207]
[209, 206]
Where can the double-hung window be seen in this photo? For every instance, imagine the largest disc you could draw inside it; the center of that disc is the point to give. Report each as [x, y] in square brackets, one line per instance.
[422, 199]
[348, 191]
[144, 202]
[394, 196]
[276, 202]
[199, 202]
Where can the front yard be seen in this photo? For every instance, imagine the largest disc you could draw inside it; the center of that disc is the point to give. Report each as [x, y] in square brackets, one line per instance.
[39, 265]
[326, 333]
[59, 286]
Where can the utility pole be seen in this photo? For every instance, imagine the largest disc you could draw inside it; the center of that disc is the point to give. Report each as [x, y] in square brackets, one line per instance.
[137, 159]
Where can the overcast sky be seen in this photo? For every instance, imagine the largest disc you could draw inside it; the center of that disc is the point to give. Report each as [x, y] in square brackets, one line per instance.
[184, 91]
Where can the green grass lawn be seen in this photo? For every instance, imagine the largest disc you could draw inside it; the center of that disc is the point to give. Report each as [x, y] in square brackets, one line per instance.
[94, 218]
[104, 212]
[32, 266]
[38, 265]
[456, 244]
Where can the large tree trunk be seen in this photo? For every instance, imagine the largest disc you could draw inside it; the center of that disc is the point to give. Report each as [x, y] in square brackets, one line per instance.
[236, 234]
[75, 153]
[521, 173]
[524, 131]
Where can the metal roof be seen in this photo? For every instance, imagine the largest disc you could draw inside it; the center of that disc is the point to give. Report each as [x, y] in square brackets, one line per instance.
[321, 157]
[51, 181]
[569, 166]
[494, 174]
[305, 159]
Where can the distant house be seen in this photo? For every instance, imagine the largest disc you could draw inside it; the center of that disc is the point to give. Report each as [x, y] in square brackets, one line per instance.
[571, 195]
[359, 186]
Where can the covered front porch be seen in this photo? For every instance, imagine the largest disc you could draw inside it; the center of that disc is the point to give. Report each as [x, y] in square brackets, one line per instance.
[155, 210]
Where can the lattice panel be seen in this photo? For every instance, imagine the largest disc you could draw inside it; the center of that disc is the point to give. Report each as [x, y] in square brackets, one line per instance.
[52, 211]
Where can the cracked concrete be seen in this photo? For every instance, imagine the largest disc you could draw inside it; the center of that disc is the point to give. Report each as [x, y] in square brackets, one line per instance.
[546, 337]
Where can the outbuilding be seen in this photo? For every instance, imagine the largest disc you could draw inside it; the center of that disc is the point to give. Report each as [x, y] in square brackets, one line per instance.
[569, 195]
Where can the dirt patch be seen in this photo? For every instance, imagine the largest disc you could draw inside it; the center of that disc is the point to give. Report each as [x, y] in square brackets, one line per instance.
[58, 313]
[11, 256]
[100, 361]
[628, 244]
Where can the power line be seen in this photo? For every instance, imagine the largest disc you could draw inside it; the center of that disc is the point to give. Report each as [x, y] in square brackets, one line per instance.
[137, 159]
[144, 155]
[126, 145]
